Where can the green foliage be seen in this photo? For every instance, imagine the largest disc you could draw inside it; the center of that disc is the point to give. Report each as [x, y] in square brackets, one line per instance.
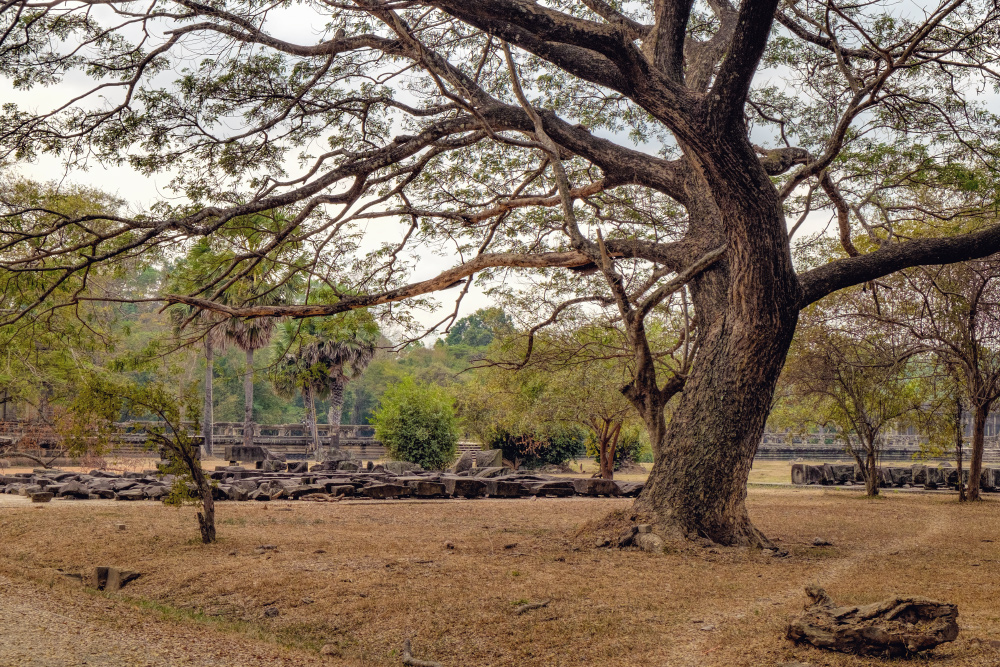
[478, 329]
[416, 423]
[533, 449]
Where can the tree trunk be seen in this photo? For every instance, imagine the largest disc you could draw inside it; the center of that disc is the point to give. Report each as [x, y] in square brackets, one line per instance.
[747, 305]
[698, 482]
[958, 448]
[208, 422]
[871, 470]
[206, 517]
[608, 447]
[248, 400]
[309, 394]
[335, 413]
[979, 414]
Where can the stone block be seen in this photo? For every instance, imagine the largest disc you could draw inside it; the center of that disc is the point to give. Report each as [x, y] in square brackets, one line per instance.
[630, 489]
[596, 487]
[464, 487]
[426, 489]
[129, 494]
[385, 491]
[116, 579]
[493, 471]
[919, 472]
[340, 489]
[41, 496]
[74, 489]
[464, 462]
[489, 458]
[305, 490]
[501, 488]
[297, 466]
[557, 488]
[935, 478]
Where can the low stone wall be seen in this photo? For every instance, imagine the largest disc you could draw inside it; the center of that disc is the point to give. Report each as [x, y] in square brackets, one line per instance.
[942, 476]
[319, 482]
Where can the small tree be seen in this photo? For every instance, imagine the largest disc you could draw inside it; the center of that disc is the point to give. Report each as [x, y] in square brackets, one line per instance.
[860, 379]
[416, 422]
[108, 399]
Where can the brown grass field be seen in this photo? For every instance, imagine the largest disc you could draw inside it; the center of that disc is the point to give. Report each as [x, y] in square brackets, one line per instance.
[360, 577]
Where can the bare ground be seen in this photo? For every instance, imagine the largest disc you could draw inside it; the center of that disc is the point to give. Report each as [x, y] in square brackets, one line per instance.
[360, 577]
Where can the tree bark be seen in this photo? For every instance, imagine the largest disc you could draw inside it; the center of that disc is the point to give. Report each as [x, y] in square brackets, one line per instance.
[248, 400]
[979, 414]
[309, 394]
[698, 482]
[871, 470]
[962, 497]
[208, 422]
[747, 306]
[335, 413]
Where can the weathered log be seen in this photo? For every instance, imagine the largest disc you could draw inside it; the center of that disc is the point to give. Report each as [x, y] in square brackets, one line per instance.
[895, 627]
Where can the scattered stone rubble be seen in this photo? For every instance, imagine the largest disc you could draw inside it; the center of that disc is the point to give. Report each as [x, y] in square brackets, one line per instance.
[325, 481]
[929, 477]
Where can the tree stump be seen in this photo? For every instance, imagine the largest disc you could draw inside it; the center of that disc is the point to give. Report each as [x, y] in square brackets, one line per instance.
[895, 627]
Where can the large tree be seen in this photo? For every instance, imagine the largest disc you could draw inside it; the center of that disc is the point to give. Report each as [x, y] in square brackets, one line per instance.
[413, 111]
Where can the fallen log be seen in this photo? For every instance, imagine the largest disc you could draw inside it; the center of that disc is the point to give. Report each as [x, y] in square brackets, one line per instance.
[899, 626]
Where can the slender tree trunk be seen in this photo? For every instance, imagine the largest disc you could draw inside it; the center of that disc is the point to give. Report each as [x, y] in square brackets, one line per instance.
[958, 448]
[248, 400]
[206, 517]
[335, 413]
[979, 414]
[309, 394]
[208, 422]
[871, 469]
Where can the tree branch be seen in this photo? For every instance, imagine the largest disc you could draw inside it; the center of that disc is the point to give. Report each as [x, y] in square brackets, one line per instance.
[842, 273]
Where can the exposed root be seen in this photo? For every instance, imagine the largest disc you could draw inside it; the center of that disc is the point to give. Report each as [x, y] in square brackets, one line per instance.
[528, 606]
[408, 658]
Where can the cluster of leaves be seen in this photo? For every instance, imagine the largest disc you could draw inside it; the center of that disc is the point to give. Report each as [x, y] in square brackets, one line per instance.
[416, 423]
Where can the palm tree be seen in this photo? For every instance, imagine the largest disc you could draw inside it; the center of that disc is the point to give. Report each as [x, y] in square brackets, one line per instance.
[320, 355]
[343, 359]
[185, 276]
[295, 372]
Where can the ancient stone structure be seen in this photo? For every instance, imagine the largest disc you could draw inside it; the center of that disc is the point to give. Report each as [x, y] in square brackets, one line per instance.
[941, 476]
[325, 481]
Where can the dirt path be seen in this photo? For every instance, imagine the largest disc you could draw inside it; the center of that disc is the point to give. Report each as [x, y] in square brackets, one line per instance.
[53, 627]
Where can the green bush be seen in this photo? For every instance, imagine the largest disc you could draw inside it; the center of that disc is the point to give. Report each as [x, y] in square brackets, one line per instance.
[533, 450]
[416, 423]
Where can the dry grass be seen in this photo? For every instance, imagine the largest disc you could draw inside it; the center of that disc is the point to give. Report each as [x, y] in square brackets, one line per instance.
[363, 576]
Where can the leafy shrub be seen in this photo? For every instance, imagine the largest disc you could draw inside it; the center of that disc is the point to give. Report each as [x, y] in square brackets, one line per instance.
[416, 423]
[533, 450]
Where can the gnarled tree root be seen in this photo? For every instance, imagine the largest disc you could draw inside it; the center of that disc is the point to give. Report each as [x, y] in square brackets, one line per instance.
[895, 627]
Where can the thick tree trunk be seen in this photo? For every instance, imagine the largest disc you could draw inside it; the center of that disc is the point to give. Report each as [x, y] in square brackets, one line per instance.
[335, 413]
[248, 400]
[698, 482]
[309, 394]
[979, 414]
[208, 422]
[747, 307]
